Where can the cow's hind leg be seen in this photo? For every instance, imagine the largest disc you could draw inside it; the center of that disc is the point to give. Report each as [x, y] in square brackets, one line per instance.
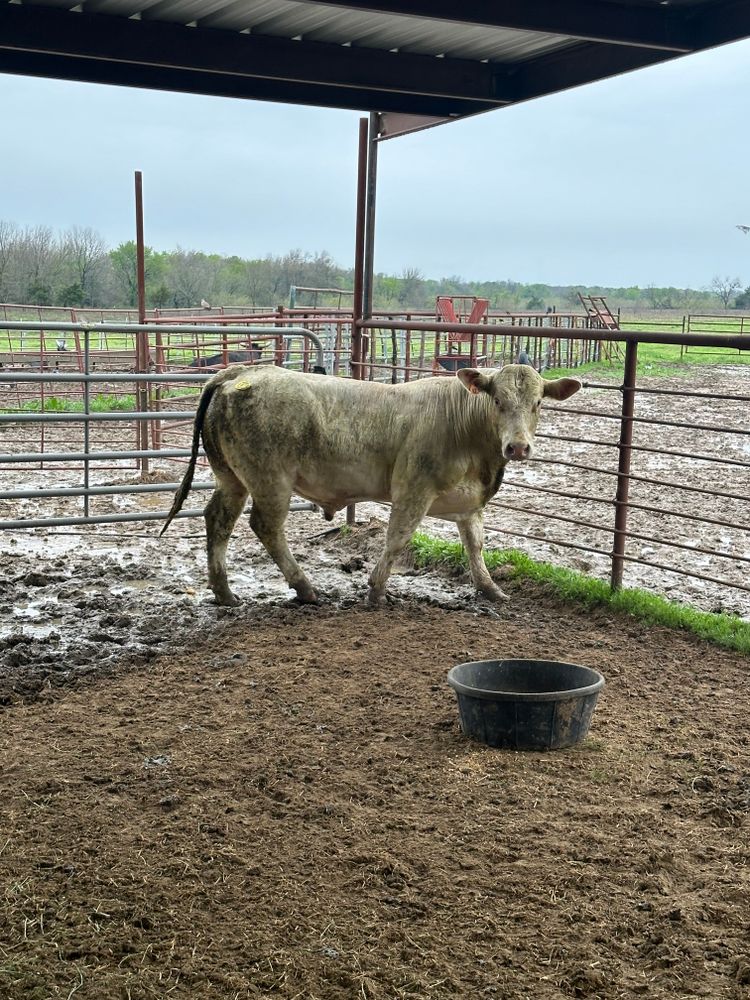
[221, 513]
[267, 519]
[471, 530]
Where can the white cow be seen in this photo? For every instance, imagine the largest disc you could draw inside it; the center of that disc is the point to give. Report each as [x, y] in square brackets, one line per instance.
[435, 446]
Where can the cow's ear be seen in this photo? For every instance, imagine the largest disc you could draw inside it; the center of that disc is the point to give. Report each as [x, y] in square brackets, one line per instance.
[561, 388]
[473, 380]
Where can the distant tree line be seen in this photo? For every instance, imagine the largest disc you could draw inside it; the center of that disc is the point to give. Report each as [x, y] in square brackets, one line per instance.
[77, 268]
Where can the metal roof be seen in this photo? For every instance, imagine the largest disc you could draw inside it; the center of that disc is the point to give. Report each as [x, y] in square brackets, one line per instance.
[431, 58]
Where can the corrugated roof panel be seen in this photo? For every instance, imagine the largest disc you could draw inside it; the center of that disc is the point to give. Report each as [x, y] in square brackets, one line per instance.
[503, 46]
[180, 11]
[240, 15]
[387, 31]
[336, 25]
[60, 4]
[121, 8]
[341, 25]
[291, 19]
[600, 39]
[464, 41]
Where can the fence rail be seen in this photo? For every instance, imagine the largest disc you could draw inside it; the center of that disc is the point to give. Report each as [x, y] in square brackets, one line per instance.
[647, 477]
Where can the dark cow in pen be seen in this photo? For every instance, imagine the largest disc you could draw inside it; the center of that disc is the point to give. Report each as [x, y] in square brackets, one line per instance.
[232, 358]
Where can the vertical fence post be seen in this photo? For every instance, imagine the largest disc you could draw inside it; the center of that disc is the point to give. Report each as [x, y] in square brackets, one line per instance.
[279, 353]
[86, 421]
[623, 464]
[359, 251]
[359, 269]
[141, 338]
[371, 190]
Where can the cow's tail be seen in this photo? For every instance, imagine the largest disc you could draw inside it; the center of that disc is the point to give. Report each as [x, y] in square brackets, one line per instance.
[187, 480]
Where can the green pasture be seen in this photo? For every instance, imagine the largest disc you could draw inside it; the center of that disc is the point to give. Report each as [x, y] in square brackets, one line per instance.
[99, 403]
[12, 341]
[662, 359]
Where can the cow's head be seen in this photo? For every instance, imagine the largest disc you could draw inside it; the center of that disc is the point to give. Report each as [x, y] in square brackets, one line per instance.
[515, 395]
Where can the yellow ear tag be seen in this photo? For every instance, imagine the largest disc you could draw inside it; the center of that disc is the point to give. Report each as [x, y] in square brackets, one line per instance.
[243, 383]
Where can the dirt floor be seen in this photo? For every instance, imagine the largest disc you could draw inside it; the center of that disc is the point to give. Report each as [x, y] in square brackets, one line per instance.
[278, 801]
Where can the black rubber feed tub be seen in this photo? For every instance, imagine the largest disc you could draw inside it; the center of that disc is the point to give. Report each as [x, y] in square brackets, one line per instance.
[525, 704]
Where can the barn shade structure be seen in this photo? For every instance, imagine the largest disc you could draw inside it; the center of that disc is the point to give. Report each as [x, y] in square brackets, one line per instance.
[430, 58]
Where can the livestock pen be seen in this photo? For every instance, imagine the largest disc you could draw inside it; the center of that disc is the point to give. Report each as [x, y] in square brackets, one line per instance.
[645, 481]
[275, 800]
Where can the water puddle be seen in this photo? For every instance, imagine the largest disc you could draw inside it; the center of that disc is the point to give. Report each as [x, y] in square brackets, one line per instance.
[30, 619]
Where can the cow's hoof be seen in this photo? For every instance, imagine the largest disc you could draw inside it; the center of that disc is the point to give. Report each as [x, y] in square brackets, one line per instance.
[375, 598]
[494, 594]
[306, 595]
[228, 600]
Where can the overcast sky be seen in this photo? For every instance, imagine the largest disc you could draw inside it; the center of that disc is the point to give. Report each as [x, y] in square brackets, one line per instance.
[633, 181]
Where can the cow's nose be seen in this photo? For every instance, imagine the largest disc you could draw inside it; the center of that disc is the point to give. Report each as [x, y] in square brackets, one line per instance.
[517, 451]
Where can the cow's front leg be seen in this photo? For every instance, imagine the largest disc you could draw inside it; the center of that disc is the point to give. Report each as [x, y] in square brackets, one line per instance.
[406, 515]
[471, 530]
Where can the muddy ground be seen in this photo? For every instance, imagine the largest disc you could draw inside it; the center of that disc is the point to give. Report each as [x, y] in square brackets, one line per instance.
[278, 801]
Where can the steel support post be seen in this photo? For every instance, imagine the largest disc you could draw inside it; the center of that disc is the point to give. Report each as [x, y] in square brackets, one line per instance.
[86, 424]
[141, 338]
[359, 269]
[371, 190]
[359, 250]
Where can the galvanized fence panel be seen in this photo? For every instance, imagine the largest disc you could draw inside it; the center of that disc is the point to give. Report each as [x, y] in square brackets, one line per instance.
[80, 442]
[640, 480]
[637, 479]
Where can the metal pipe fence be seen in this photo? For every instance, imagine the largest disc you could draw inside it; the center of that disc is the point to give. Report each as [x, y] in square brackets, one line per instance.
[647, 482]
[52, 428]
[640, 480]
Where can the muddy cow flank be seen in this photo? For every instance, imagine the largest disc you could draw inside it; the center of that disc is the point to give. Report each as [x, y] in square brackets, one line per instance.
[436, 446]
[232, 358]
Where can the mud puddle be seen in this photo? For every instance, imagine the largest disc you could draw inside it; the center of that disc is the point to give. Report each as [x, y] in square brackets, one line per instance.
[72, 603]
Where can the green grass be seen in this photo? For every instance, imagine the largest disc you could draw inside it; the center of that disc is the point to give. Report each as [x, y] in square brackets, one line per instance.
[101, 403]
[182, 392]
[11, 340]
[721, 629]
[658, 360]
[661, 360]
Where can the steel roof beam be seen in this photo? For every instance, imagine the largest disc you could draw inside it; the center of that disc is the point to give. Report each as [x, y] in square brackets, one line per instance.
[218, 85]
[718, 23]
[660, 27]
[573, 67]
[107, 48]
[709, 25]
